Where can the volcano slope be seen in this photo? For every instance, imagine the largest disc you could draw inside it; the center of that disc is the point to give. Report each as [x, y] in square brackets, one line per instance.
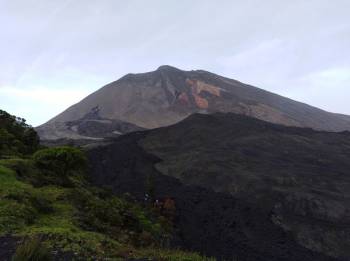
[168, 95]
[243, 188]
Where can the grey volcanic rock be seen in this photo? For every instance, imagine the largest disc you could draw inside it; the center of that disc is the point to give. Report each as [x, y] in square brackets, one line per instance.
[243, 188]
[302, 173]
[91, 127]
[168, 95]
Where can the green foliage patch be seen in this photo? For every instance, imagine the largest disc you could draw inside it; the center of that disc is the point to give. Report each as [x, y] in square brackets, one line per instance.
[16, 137]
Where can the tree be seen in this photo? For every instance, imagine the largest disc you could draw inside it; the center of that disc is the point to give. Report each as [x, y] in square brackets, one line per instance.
[16, 137]
[30, 140]
[62, 161]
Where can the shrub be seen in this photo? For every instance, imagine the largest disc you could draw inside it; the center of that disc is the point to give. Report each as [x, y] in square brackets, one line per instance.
[96, 214]
[32, 249]
[61, 161]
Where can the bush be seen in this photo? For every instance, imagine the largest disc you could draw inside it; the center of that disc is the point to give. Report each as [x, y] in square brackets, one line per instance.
[61, 161]
[96, 214]
[32, 249]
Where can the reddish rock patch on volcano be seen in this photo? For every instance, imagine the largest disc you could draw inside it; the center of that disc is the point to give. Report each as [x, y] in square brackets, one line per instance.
[197, 87]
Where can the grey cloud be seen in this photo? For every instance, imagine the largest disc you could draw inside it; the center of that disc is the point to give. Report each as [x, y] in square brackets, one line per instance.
[282, 46]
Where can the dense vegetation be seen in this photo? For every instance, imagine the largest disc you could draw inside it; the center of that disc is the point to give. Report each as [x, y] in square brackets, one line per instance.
[16, 137]
[47, 203]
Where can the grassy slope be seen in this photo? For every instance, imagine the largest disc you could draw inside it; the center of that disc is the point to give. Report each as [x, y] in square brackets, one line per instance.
[66, 224]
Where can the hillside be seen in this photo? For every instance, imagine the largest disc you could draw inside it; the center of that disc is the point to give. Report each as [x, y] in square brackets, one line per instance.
[168, 95]
[50, 211]
[243, 187]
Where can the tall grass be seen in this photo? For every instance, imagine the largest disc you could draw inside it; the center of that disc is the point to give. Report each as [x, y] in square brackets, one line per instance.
[32, 249]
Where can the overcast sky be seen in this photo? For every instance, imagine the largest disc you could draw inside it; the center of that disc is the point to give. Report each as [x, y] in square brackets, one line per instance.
[54, 53]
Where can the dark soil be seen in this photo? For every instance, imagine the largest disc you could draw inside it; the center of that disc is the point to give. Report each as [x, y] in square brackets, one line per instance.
[7, 247]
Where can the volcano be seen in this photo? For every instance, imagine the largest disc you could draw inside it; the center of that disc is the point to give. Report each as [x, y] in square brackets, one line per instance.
[168, 95]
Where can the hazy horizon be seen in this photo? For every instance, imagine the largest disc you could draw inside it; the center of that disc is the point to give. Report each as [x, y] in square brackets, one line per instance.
[56, 53]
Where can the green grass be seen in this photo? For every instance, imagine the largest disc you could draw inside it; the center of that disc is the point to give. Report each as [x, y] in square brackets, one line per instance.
[80, 219]
[20, 216]
[15, 214]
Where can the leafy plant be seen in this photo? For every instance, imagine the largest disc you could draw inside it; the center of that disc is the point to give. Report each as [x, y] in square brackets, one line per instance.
[60, 163]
